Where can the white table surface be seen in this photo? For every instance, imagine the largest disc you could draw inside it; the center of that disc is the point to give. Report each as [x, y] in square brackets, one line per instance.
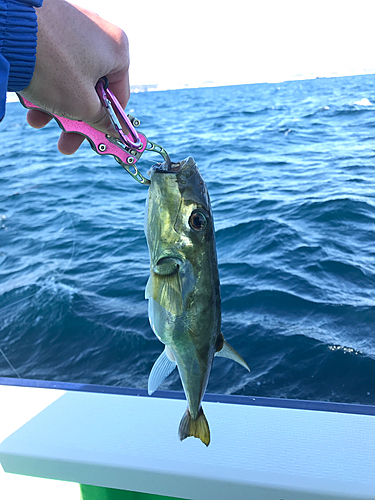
[130, 442]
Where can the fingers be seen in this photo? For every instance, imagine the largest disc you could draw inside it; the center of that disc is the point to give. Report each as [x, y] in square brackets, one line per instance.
[37, 118]
[69, 143]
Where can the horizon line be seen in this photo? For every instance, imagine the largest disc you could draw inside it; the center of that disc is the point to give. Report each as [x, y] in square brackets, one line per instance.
[154, 87]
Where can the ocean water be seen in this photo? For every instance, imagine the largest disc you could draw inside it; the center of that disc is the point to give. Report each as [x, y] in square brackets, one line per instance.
[290, 168]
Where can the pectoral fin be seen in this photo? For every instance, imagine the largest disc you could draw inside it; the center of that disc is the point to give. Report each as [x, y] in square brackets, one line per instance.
[227, 351]
[167, 291]
[163, 366]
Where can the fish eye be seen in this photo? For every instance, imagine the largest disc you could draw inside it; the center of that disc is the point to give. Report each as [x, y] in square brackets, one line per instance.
[197, 221]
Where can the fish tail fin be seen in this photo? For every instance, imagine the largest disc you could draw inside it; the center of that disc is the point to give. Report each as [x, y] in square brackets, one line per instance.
[197, 427]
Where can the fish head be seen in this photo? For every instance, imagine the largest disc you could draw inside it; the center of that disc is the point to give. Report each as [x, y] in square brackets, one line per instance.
[179, 222]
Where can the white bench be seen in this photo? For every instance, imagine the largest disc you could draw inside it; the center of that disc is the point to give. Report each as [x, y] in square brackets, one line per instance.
[130, 442]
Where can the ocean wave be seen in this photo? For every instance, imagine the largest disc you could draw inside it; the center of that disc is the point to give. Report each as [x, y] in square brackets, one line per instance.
[289, 168]
[337, 209]
[362, 102]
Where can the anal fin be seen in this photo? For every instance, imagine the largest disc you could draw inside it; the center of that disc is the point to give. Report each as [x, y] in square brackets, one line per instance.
[163, 366]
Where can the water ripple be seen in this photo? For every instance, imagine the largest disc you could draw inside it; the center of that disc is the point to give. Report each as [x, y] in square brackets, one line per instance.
[289, 168]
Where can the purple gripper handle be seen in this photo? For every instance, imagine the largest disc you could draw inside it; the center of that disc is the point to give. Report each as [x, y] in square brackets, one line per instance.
[98, 140]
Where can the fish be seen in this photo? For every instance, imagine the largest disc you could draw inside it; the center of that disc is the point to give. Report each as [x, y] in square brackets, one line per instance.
[183, 289]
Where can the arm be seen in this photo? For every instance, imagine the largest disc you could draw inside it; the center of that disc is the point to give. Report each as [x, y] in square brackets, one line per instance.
[18, 38]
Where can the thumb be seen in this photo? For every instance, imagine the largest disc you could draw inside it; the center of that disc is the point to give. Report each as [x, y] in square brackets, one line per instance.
[99, 116]
[103, 123]
[120, 88]
[103, 120]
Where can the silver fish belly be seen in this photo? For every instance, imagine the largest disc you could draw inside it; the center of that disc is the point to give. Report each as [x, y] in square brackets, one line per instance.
[184, 289]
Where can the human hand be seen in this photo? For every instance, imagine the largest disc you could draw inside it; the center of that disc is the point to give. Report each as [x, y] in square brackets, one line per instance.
[75, 49]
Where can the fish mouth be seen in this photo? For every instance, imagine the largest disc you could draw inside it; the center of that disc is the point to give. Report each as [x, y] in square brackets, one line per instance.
[167, 266]
[171, 168]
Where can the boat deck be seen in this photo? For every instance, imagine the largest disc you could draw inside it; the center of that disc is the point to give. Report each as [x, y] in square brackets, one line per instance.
[259, 449]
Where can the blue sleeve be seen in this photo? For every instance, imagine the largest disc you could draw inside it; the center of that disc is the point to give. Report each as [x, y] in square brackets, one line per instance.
[33, 3]
[18, 40]
[4, 74]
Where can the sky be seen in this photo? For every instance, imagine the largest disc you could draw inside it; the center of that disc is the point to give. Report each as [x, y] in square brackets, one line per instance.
[175, 42]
